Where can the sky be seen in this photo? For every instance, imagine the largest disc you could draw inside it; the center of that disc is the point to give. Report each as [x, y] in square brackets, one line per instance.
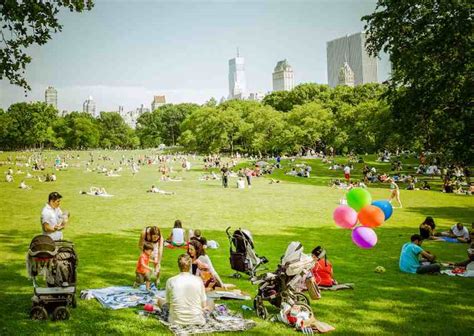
[125, 52]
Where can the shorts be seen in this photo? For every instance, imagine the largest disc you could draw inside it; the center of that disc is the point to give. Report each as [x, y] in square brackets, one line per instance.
[142, 277]
[347, 176]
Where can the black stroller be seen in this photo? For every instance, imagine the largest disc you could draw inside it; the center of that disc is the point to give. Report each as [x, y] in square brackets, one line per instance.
[242, 255]
[57, 262]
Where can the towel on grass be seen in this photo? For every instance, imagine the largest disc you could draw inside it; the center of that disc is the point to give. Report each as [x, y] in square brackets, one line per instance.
[119, 297]
[338, 287]
[465, 274]
[214, 323]
[450, 240]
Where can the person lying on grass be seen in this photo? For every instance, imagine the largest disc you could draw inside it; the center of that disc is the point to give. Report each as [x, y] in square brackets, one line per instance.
[410, 258]
[156, 190]
[202, 266]
[186, 298]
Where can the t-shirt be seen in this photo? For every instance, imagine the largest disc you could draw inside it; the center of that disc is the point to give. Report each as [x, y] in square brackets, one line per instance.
[322, 273]
[463, 233]
[186, 296]
[409, 262]
[347, 170]
[53, 217]
[143, 260]
[178, 236]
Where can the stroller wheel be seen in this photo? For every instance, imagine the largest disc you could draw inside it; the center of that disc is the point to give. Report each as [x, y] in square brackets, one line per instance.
[60, 314]
[260, 309]
[38, 313]
[305, 308]
[301, 298]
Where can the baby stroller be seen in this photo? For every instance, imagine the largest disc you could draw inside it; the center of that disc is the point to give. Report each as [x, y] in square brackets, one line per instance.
[57, 262]
[242, 255]
[283, 287]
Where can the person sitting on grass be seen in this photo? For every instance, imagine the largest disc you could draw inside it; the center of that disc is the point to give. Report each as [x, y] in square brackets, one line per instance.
[427, 229]
[425, 186]
[178, 235]
[143, 271]
[469, 261]
[409, 258]
[186, 299]
[322, 270]
[459, 232]
[23, 185]
[198, 236]
[202, 266]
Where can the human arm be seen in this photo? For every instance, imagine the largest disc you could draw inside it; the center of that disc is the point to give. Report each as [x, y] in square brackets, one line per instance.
[206, 260]
[428, 256]
[142, 239]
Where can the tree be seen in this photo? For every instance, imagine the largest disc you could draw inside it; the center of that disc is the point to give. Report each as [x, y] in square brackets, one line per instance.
[430, 44]
[114, 132]
[148, 129]
[26, 23]
[279, 100]
[78, 131]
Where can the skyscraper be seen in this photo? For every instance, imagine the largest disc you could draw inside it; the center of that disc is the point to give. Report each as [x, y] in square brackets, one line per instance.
[157, 102]
[283, 76]
[346, 76]
[237, 82]
[89, 107]
[350, 49]
[51, 97]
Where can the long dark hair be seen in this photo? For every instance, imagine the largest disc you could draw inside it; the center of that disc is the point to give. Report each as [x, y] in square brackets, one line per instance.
[430, 222]
[151, 231]
[197, 247]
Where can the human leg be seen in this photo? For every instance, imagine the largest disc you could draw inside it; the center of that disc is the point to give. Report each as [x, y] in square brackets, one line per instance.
[431, 268]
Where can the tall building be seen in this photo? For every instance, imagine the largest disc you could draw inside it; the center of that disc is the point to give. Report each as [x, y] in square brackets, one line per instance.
[346, 76]
[157, 102]
[237, 82]
[283, 76]
[131, 117]
[51, 97]
[89, 107]
[350, 49]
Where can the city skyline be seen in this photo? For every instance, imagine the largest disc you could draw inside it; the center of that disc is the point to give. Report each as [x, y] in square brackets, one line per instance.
[102, 55]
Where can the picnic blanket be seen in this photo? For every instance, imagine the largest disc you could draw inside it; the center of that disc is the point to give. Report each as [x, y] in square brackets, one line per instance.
[465, 274]
[450, 240]
[338, 287]
[215, 322]
[228, 295]
[119, 297]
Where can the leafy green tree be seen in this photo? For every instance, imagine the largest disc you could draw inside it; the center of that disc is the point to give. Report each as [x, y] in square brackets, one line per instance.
[114, 132]
[24, 24]
[30, 124]
[171, 117]
[279, 100]
[78, 131]
[430, 44]
[310, 124]
[148, 129]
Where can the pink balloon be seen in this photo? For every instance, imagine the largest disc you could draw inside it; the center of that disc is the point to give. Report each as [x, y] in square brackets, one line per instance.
[345, 217]
[364, 237]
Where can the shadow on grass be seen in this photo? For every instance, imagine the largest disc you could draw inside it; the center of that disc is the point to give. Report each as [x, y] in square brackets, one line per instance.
[392, 302]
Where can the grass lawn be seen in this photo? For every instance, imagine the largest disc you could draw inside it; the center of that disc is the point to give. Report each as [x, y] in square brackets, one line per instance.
[106, 232]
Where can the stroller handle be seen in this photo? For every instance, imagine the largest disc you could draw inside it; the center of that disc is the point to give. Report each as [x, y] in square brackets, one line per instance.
[227, 231]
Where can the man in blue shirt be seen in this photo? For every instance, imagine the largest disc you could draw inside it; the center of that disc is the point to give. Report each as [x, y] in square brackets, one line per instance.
[409, 258]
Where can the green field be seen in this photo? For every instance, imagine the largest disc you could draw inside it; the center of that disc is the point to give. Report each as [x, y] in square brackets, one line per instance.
[106, 232]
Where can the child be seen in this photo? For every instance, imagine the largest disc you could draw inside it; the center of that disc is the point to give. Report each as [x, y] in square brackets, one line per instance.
[143, 271]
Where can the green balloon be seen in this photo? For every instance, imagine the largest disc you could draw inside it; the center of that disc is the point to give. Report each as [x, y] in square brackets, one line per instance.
[357, 198]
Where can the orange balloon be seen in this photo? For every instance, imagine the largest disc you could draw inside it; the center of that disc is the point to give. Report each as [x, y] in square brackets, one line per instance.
[371, 216]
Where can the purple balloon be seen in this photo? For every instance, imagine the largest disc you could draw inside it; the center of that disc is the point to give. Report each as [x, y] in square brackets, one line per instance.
[364, 237]
[345, 217]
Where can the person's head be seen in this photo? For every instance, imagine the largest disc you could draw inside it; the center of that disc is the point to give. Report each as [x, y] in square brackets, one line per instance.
[184, 263]
[197, 233]
[54, 199]
[147, 248]
[416, 239]
[195, 249]
[460, 226]
[429, 221]
[318, 252]
[178, 224]
[155, 233]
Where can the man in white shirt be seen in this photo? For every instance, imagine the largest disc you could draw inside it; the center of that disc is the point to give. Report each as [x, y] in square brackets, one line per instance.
[347, 173]
[460, 232]
[185, 295]
[53, 220]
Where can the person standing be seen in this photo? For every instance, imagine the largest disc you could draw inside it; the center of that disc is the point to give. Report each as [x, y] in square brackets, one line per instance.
[53, 220]
[225, 176]
[248, 176]
[394, 192]
[347, 173]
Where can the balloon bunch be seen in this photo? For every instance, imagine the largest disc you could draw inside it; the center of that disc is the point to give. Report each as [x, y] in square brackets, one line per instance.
[368, 214]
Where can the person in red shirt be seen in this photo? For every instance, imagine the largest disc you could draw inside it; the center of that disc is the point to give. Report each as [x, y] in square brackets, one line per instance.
[143, 271]
[322, 270]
